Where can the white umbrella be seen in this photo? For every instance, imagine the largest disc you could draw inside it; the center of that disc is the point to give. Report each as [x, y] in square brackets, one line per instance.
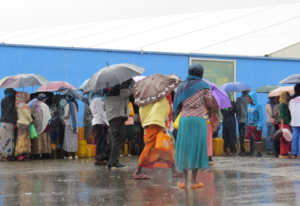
[112, 75]
[278, 91]
[23, 80]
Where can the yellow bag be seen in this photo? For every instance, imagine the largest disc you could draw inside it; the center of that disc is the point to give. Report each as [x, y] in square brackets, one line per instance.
[176, 123]
[130, 109]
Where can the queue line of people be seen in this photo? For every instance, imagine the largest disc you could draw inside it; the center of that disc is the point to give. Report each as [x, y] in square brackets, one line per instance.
[112, 113]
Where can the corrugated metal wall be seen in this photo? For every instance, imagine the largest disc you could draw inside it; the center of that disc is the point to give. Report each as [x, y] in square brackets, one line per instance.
[77, 65]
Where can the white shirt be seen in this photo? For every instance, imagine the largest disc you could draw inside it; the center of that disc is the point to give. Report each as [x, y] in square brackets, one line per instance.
[99, 115]
[294, 107]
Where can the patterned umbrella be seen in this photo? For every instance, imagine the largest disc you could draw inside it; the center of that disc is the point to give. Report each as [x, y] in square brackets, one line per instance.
[154, 88]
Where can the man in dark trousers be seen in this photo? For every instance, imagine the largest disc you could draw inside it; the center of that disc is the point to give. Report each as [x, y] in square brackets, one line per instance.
[229, 129]
[241, 117]
[116, 107]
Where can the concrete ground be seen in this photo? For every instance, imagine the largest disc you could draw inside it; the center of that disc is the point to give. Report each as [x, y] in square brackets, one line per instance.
[231, 180]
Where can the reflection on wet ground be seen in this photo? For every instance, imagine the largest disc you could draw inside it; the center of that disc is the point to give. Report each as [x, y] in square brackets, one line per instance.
[231, 181]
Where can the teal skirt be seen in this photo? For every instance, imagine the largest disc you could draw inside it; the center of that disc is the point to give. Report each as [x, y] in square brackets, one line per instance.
[191, 144]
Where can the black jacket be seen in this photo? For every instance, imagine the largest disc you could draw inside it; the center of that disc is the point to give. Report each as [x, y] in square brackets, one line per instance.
[229, 116]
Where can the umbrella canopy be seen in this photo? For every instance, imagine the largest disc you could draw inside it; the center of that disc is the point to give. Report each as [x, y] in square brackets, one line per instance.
[220, 96]
[293, 79]
[23, 80]
[112, 75]
[154, 88]
[54, 86]
[138, 78]
[73, 93]
[278, 91]
[235, 87]
[82, 86]
[266, 89]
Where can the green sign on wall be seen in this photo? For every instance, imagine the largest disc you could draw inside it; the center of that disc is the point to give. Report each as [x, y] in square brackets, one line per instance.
[217, 71]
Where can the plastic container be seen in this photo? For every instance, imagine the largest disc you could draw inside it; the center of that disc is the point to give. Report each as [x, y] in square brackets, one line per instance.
[163, 142]
[125, 149]
[93, 147]
[80, 133]
[82, 149]
[89, 151]
[218, 146]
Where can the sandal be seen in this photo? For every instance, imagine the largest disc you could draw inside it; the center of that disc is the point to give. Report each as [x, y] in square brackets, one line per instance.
[293, 157]
[141, 176]
[181, 185]
[194, 186]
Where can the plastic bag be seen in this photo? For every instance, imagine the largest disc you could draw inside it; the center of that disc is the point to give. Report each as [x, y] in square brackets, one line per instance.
[176, 123]
[33, 134]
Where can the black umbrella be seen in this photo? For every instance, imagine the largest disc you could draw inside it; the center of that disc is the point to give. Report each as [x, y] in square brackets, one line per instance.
[73, 93]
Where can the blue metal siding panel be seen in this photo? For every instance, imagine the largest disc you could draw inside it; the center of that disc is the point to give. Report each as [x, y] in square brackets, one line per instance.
[76, 65]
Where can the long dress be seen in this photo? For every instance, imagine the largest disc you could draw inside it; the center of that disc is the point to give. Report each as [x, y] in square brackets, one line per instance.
[191, 146]
[71, 136]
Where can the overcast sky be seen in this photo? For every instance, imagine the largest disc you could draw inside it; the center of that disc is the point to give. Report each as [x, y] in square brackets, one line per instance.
[27, 14]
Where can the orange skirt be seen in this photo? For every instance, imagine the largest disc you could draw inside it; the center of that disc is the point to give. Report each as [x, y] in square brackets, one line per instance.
[151, 157]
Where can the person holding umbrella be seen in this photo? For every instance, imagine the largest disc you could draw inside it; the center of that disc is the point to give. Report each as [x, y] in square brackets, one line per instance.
[8, 123]
[42, 115]
[116, 107]
[229, 129]
[23, 144]
[153, 95]
[71, 127]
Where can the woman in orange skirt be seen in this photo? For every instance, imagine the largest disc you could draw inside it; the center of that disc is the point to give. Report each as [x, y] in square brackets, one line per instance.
[153, 119]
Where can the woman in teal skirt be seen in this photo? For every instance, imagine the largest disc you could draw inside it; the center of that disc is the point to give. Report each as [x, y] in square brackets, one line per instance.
[191, 145]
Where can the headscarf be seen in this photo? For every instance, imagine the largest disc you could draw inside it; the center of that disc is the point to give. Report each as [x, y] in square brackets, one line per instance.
[190, 86]
[284, 98]
[9, 92]
[271, 102]
[41, 96]
[73, 120]
[21, 99]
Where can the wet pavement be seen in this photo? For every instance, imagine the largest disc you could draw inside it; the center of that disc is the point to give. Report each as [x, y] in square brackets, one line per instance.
[230, 181]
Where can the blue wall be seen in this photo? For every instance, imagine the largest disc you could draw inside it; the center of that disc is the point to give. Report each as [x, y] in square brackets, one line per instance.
[76, 65]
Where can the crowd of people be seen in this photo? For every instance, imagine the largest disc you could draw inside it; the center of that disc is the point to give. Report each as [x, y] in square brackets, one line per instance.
[112, 115]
